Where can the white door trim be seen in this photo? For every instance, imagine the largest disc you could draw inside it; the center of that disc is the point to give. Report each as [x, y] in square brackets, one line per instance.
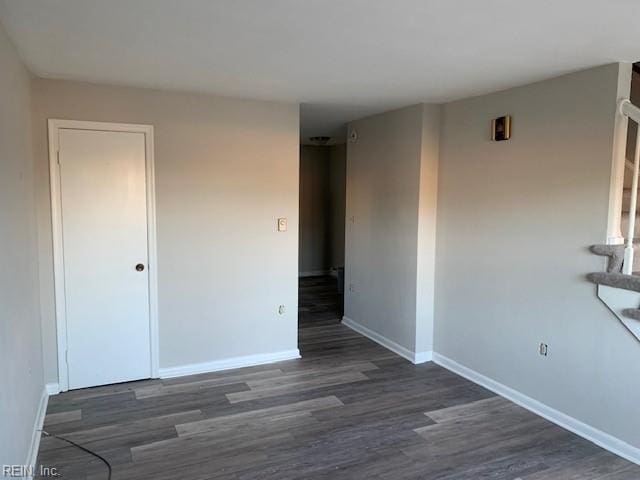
[58, 252]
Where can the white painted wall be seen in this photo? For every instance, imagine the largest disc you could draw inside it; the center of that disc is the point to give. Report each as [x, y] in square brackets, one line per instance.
[21, 377]
[514, 222]
[226, 169]
[391, 187]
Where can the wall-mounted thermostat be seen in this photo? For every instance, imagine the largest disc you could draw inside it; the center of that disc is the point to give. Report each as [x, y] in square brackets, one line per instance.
[501, 128]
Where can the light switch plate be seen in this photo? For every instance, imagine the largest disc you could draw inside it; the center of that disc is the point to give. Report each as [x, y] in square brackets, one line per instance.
[282, 224]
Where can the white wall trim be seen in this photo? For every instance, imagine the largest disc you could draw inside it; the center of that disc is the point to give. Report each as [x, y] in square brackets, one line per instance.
[52, 388]
[413, 357]
[228, 363]
[32, 456]
[58, 253]
[423, 357]
[600, 438]
[314, 273]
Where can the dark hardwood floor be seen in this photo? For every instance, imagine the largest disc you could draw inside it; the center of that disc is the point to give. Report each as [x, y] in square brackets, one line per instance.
[349, 409]
[320, 302]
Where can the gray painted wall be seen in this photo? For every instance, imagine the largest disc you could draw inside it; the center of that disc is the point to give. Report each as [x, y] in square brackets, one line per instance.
[337, 198]
[314, 246]
[226, 169]
[387, 167]
[322, 200]
[20, 340]
[514, 221]
[427, 214]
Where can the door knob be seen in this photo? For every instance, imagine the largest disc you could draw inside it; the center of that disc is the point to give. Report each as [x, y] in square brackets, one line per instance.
[140, 267]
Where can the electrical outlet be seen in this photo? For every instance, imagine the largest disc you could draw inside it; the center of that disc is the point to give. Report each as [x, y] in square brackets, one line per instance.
[543, 349]
[281, 310]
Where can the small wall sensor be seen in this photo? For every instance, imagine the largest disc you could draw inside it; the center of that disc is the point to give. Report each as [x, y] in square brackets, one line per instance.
[501, 128]
[544, 349]
[353, 135]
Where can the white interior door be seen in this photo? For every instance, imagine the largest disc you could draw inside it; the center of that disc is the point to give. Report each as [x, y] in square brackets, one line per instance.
[105, 255]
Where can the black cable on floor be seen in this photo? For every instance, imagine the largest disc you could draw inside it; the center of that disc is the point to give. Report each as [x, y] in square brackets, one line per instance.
[104, 460]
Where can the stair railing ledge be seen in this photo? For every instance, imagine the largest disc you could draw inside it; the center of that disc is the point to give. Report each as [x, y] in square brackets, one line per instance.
[616, 280]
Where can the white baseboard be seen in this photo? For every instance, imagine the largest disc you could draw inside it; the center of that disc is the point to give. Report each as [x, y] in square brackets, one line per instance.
[52, 388]
[32, 456]
[228, 363]
[413, 357]
[314, 273]
[600, 438]
[423, 357]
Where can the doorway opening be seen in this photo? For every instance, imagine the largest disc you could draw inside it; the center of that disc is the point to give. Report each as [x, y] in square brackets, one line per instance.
[322, 233]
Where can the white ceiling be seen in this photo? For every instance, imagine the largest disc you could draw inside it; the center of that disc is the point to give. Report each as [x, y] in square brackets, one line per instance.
[342, 59]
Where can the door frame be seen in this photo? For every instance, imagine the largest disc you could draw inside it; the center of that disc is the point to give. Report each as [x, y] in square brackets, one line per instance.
[54, 126]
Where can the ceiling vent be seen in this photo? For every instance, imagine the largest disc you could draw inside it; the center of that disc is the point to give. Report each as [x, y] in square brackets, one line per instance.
[319, 140]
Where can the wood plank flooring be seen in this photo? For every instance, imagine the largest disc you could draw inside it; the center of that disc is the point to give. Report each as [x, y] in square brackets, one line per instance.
[320, 303]
[349, 409]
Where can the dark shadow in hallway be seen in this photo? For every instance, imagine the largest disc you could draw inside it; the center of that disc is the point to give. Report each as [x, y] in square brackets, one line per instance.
[320, 302]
